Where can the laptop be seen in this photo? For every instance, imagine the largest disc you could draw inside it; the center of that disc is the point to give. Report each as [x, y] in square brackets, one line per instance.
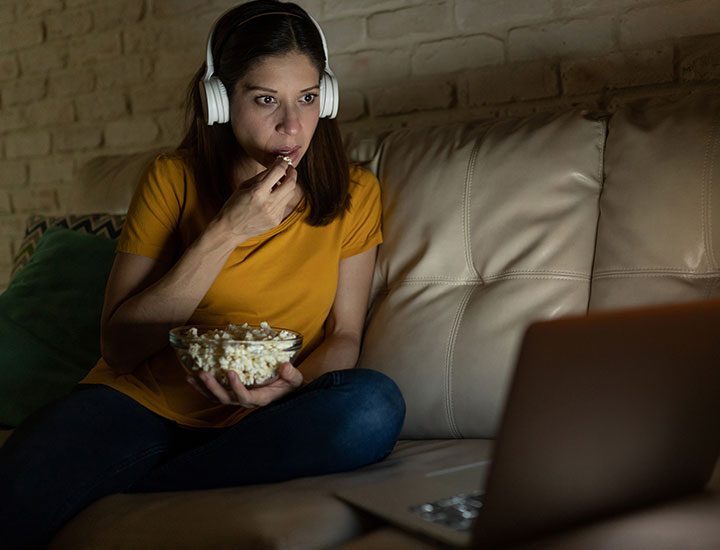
[606, 413]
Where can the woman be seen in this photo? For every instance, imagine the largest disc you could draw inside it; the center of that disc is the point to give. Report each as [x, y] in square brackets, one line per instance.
[258, 219]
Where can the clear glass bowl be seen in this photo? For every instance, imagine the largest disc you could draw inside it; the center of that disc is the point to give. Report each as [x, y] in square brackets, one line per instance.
[254, 360]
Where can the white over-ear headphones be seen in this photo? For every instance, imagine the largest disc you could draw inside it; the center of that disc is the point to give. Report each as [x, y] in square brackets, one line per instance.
[215, 102]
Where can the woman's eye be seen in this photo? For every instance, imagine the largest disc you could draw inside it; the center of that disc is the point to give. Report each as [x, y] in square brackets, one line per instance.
[309, 98]
[265, 100]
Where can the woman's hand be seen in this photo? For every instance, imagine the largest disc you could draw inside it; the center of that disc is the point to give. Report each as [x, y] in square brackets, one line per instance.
[260, 203]
[287, 380]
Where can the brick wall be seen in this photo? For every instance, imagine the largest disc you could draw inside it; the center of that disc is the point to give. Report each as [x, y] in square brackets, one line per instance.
[80, 78]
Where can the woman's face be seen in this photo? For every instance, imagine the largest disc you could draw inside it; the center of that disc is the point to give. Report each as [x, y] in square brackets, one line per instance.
[274, 110]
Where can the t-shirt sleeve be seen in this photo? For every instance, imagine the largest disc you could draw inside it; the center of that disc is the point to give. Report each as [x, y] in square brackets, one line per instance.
[154, 211]
[363, 228]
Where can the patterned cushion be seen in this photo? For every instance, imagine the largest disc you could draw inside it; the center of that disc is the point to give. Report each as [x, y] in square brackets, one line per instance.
[106, 225]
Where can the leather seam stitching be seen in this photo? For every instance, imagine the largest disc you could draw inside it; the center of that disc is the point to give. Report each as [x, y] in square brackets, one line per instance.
[449, 355]
[469, 173]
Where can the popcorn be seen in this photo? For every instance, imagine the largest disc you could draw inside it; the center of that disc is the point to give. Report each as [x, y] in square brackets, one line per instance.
[255, 359]
[286, 159]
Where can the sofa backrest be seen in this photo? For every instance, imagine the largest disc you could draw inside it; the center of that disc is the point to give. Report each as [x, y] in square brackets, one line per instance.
[659, 231]
[486, 227]
[489, 227]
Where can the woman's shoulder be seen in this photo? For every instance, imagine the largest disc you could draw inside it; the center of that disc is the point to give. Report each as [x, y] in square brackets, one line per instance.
[364, 190]
[361, 177]
[171, 161]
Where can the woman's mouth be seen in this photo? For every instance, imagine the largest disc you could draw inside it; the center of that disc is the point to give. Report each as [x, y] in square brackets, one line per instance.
[289, 154]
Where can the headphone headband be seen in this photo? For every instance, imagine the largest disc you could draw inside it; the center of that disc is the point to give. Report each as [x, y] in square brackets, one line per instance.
[209, 63]
[213, 90]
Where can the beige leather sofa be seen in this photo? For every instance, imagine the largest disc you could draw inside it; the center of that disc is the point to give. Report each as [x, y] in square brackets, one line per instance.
[488, 226]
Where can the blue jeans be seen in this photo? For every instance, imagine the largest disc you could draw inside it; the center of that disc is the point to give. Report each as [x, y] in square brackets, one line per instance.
[97, 441]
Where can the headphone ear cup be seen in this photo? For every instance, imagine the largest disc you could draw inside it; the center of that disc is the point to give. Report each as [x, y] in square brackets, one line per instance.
[216, 106]
[328, 95]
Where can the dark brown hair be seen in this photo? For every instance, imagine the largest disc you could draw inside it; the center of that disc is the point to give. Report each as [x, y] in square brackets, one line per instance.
[241, 38]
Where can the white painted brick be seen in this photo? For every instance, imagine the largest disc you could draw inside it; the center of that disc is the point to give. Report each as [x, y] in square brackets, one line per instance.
[345, 7]
[13, 119]
[20, 35]
[174, 65]
[425, 18]
[158, 96]
[352, 106]
[71, 82]
[182, 34]
[498, 15]
[172, 125]
[669, 21]
[43, 58]
[456, 54]
[314, 7]
[93, 48]
[117, 14]
[131, 133]
[23, 91]
[121, 72]
[5, 208]
[515, 82]
[78, 137]
[699, 58]
[7, 13]
[142, 38]
[369, 68]
[169, 8]
[12, 227]
[80, 3]
[577, 38]
[34, 200]
[29, 143]
[9, 68]
[106, 105]
[412, 96]
[343, 34]
[33, 8]
[66, 24]
[51, 170]
[13, 173]
[50, 112]
[574, 8]
[618, 70]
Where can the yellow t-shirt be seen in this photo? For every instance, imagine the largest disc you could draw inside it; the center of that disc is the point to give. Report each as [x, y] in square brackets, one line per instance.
[287, 277]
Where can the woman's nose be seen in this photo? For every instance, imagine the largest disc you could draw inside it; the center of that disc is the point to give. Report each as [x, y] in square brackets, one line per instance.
[289, 122]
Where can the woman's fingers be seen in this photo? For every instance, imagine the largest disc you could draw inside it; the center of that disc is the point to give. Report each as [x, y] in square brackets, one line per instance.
[292, 375]
[216, 390]
[277, 173]
[289, 378]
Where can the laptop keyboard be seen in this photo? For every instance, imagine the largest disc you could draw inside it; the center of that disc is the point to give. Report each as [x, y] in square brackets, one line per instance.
[457, 512]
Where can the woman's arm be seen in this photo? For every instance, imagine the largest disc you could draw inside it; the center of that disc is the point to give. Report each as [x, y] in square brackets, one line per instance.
[344, 328]
[145, 298]
[339, 349]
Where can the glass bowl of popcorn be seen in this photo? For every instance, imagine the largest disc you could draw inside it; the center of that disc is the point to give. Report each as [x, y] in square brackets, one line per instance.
[254, 352]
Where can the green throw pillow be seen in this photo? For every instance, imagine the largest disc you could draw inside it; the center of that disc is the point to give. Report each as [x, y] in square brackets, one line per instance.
[50, 320]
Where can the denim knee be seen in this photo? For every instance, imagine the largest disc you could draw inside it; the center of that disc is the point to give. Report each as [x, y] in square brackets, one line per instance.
[378, 408]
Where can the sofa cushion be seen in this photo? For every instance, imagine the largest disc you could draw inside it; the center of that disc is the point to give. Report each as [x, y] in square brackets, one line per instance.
[301, 513]
[106, 225]
[659, 229]
[50, 320]
[487, 226]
